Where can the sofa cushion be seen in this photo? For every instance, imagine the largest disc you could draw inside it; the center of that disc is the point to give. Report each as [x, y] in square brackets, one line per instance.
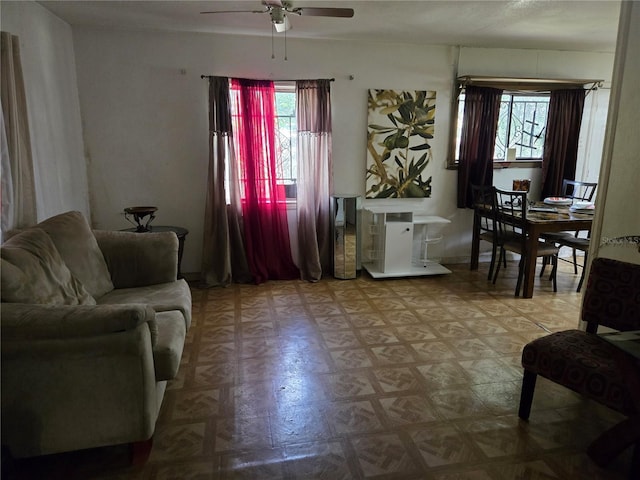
[167, 350]
[79, 249]
[162, 297]
[139, 259]
[33, 271]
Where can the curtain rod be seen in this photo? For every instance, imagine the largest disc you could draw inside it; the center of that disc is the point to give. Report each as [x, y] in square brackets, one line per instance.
[541, 82]
[273, 80]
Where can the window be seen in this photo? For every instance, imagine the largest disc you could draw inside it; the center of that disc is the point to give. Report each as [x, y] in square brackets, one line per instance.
[287, 133]
[286, 139]
[521, 126]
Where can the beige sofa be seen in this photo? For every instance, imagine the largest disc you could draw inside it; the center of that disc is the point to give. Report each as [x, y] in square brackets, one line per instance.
[93, 325]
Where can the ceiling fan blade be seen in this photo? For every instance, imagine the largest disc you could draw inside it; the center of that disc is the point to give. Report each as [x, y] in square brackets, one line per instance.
[324, 12]
[235, 11]
[272, 3]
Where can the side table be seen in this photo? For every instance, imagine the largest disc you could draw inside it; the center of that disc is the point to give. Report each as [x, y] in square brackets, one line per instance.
[180, 232]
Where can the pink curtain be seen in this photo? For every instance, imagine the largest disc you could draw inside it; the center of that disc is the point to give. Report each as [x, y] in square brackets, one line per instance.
[264, 212]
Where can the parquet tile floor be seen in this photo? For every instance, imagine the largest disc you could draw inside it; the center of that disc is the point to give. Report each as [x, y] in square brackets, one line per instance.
[415, 378]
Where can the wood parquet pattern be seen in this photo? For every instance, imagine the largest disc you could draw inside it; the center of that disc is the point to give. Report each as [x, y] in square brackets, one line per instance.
[363, 379]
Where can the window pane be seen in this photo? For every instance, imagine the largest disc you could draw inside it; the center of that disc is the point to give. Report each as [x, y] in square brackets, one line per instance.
[502, 132]
[521, 126]
[528, 123]
[287, 137]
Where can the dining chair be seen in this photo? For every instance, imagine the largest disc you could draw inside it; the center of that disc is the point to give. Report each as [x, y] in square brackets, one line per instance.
[575, 190]
[571, 240]
[588, 364]
[510, 215]
[482, 198]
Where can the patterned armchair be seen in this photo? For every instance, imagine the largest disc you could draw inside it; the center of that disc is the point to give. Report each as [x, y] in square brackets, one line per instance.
[589, 365]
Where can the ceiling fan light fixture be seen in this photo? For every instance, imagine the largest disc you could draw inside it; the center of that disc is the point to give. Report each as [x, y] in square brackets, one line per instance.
[280, 27]
[280, 21]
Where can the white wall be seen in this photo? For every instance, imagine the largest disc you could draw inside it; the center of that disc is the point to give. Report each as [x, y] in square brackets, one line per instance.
[144, 109]
[48, 63]
[617, 215]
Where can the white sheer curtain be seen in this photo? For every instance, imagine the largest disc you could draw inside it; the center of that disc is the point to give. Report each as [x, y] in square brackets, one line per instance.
[314, 177]
[18, 187]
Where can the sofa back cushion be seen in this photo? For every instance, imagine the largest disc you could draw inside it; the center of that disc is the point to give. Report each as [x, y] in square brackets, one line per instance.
[79, 249]
[32, 271]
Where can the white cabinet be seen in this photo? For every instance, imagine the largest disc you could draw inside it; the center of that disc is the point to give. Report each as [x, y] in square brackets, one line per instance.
[397, 242]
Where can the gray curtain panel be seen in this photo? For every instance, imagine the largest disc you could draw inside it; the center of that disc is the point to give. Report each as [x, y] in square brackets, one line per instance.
[223, 257]
[314, 177]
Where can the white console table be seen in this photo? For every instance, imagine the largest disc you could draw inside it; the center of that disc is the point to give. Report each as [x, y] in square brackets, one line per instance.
[396, 242]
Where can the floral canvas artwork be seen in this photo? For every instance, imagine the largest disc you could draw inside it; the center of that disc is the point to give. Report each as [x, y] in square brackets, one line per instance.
[400, 126]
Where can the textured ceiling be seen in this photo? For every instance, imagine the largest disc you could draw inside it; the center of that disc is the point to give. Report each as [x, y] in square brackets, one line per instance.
[582, 25]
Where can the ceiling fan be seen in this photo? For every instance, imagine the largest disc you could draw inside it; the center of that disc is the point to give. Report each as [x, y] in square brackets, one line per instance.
[278, 10]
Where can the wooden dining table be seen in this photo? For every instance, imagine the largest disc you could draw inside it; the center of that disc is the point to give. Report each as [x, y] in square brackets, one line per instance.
[536, 223]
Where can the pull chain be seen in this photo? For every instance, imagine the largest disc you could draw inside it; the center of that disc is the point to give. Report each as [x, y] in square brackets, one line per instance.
[272, 43]
[285, 45]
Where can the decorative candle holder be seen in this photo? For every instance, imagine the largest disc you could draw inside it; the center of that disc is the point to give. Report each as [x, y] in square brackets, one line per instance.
[139, 214]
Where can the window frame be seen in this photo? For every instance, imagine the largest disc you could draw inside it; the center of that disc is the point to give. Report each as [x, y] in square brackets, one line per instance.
[290, 88]
[291, 193]
[522, 86]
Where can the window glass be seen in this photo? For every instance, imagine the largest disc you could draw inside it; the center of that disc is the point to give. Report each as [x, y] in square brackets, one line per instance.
[286, 138]
[521, 126]
[287, 141]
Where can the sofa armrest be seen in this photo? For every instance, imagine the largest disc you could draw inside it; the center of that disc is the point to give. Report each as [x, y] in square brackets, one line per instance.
[139, 259]
[63, 394]
[29, 322]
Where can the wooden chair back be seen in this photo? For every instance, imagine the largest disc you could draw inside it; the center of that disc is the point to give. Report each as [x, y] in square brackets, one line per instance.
[578, 190]
[510, 213]
[482, 198]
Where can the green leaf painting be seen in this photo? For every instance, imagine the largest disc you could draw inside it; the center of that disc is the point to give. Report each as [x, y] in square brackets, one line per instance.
[400, 126]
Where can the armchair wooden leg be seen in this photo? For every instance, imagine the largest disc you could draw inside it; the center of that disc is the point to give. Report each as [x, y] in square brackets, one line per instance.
[614, 441]
[8, 463]
[526, 394]
[140, 452]
[584, 267]
[635, 462]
